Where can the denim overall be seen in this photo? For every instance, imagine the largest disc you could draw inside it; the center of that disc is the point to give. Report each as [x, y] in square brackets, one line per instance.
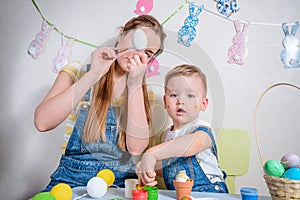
[172, 166]
[82, 161]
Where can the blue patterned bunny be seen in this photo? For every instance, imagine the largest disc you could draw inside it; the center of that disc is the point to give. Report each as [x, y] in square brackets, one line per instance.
[227, 7]
[187, 32]
[290, 56]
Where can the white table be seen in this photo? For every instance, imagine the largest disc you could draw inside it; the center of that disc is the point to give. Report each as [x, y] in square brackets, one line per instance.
[163, 195]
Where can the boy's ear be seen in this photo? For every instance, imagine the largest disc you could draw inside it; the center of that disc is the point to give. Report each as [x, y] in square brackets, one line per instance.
[204, 104]
[165, 101]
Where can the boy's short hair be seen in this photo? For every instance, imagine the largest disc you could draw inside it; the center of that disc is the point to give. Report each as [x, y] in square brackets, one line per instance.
[186, 70]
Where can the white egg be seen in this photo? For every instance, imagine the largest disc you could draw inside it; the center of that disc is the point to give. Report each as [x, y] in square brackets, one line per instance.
[96, 187]
[139, 39]
[290, 160]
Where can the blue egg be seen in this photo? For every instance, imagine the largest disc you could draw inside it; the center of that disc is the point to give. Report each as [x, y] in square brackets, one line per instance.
[292, 174]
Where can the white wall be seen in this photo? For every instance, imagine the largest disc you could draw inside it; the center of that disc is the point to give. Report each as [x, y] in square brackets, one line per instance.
[27, 158]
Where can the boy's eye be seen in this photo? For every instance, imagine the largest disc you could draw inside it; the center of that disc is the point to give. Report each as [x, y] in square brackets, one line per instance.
[173, 95]
[191, 96]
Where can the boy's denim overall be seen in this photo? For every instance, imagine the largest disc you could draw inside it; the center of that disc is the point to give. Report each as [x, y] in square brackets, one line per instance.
[172, 166]
[82, 161]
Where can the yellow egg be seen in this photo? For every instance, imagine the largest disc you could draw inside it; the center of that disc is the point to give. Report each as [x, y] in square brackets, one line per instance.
[107, 175]
[62, 191]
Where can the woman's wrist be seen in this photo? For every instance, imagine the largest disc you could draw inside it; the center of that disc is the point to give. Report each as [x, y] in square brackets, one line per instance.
[92, 77]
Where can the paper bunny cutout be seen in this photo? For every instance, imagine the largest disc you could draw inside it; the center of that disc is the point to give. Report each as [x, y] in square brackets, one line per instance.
[290, 56]
[227, 7]
[152, 68]
[143, 7]
[63, 54]
[38, 45]
[238, 51]
[187, 32]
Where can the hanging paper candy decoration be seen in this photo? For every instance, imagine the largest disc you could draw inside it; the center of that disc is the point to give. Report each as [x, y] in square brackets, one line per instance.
[187, 32]
[63, 54]
[152, 69]
[143, 7]
[238, 51]
[227, 7]
[290, 55]
[38, 45]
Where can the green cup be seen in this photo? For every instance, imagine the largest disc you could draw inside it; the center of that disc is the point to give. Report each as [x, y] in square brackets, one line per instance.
[152, 192]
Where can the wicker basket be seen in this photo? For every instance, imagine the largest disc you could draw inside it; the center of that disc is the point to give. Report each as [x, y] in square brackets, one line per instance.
[279, 188]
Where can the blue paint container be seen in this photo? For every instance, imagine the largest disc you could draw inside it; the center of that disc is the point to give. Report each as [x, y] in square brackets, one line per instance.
[249, 193]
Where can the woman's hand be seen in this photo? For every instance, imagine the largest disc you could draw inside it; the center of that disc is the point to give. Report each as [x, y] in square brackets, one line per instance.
[145, 170]
[137, 67]
[102, 58]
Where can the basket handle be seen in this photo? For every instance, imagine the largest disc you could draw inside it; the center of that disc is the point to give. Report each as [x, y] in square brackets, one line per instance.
[256, 108]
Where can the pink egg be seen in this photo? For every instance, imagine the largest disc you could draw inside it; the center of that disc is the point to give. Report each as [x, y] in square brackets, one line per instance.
[290, 160]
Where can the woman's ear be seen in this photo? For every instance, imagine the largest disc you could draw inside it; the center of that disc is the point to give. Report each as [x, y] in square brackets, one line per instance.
[121, 31]
[204, 104]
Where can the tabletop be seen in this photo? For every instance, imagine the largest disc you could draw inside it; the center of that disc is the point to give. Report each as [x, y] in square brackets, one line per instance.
[163, 195]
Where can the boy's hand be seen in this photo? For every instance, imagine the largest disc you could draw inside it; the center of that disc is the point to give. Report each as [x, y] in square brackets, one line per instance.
[145, 170]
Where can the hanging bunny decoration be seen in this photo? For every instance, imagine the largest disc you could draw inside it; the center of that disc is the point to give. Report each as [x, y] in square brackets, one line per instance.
[227, 7]
[38, 45]
[238, 51]
[143, 7]
[63, 54]
[187, 32]
[290, 55]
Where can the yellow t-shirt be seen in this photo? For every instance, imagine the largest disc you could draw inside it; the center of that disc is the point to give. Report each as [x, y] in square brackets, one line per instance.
[76, 70]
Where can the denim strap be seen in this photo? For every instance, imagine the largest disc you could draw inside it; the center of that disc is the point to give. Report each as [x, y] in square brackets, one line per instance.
[208, 131]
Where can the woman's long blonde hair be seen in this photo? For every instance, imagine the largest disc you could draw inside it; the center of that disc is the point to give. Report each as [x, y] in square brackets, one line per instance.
[102, 93]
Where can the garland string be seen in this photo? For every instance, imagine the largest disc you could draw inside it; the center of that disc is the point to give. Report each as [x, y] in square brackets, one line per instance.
[58, 31]
[164, 22]
[175, 12]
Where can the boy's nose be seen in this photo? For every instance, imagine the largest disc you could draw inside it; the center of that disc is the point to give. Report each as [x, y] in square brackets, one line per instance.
[179, 101]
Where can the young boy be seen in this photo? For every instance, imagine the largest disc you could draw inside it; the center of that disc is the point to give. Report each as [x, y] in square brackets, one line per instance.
[189, 143]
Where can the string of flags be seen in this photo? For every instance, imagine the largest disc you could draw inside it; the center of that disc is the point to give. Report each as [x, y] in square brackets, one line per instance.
[237, 52]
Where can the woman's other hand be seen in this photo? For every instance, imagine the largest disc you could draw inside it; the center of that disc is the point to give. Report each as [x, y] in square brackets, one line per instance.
[137, 67]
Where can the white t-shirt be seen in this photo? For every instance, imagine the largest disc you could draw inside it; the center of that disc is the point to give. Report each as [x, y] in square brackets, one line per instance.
[206, 158]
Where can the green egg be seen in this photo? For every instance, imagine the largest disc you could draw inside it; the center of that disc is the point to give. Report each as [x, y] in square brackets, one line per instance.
[43, 196]
[274, 168]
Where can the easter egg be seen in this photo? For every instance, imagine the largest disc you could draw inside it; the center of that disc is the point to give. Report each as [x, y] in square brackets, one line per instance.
[43, 196]
[290, 160]
[62, 191]
[107, 175]
[292, 174]
[139, 39]
[96, 187]
[274, 168]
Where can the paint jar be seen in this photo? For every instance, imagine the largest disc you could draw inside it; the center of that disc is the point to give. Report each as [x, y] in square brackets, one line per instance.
[139, 194]
[130, 185]
[249, 193]
[152, 192]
